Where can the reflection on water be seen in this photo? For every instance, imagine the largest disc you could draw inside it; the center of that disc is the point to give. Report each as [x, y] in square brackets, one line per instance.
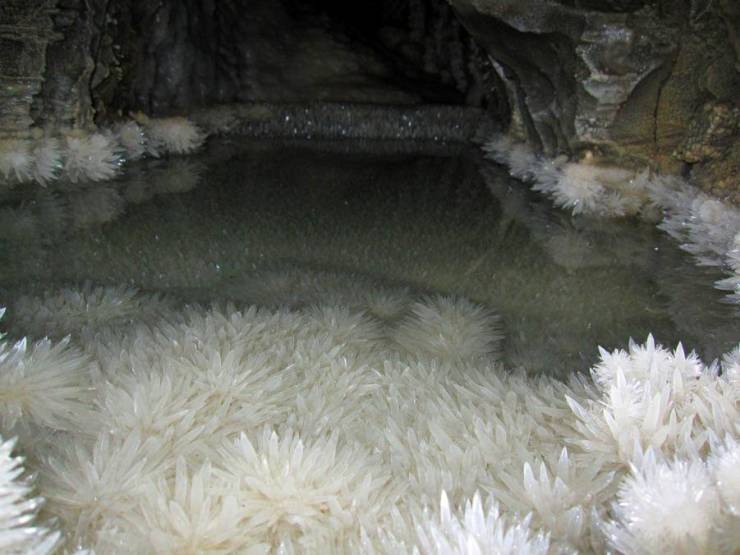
[294, 223]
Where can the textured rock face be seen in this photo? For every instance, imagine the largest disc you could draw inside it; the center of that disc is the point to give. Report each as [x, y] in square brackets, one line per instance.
[51, 58]
[25, 31]
[636, 80]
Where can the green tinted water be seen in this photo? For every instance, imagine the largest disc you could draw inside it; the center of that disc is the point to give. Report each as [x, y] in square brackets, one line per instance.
[255, 221]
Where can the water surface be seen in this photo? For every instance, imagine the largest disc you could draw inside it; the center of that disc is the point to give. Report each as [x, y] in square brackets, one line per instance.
[245, 219]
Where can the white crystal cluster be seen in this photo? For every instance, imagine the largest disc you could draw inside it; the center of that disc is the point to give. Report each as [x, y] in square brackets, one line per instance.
[704, 226]
[345, 428]
[19, 533]
[77, 156]
[583, 187]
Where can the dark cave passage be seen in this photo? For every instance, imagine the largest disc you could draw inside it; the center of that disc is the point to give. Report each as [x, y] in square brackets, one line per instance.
[175, 56]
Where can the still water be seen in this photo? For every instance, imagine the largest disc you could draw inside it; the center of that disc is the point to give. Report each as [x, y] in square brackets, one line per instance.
[289, 223]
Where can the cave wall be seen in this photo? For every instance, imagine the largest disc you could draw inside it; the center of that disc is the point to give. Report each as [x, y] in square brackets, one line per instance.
[638, 81]
[26, 29]
[196, 53]
[635, 80]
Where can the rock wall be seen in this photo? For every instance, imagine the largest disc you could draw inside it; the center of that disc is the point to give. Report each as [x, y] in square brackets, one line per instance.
[54, 54]
[26, 29]
[634, 80]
